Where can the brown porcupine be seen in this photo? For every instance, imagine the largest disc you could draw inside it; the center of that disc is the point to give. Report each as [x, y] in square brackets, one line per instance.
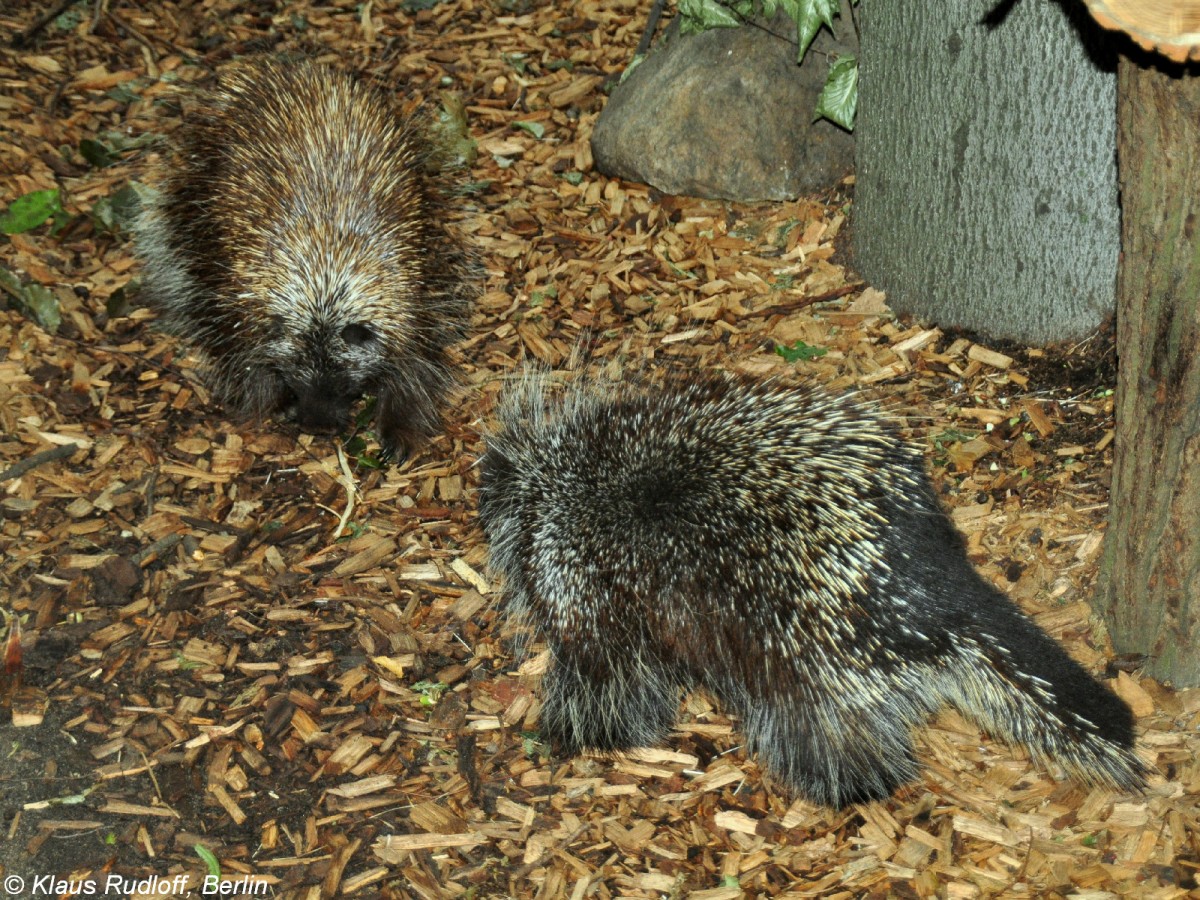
[783, 549]
[298, 238]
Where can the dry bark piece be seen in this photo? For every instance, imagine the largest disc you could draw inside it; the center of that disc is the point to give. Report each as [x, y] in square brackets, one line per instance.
[1172, 27]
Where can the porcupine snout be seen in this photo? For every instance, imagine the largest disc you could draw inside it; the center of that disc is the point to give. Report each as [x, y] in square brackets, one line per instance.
[336, 368]
[322, 405]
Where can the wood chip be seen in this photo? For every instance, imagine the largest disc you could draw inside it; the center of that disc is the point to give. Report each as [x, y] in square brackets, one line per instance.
[989, 357]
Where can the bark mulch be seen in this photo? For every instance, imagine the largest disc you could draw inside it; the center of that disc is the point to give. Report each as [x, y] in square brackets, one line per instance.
[245, 651]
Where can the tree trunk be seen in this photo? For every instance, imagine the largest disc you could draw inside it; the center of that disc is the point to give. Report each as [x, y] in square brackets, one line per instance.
[986, 192]
[1150, 578]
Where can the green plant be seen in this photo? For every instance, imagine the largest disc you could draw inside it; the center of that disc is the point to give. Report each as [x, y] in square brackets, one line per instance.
[839, 97]
[800, 351]
[210, 860]
[34, 301]
[430, 691]
[30, 210]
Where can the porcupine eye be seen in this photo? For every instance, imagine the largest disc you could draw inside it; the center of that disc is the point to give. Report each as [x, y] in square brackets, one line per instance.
[357, 335]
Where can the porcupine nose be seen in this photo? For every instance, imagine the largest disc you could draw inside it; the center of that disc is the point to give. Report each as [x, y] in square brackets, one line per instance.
[322, 405]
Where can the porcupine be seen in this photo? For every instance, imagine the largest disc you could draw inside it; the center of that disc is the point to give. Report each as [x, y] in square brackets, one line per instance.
[298, 239]
[783, 549]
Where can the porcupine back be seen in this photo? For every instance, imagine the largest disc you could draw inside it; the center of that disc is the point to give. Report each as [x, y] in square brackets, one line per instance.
[783, 549]
[299, 240]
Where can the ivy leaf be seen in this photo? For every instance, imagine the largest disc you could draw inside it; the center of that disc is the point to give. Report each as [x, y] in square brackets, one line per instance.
[28, 212]
[809, 16]
[839, 98]
[701, 15]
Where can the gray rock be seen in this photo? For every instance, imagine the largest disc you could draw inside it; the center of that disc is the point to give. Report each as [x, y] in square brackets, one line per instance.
[727, 114]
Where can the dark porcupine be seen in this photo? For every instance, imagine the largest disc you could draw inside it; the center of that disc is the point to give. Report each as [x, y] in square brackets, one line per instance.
[784, 550]
[298, 239]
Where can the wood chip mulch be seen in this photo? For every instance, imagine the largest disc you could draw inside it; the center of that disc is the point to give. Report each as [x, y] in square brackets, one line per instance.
[241, 650]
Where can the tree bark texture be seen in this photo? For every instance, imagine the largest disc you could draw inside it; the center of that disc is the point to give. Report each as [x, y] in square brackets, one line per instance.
[986, 192]
[1150, 579]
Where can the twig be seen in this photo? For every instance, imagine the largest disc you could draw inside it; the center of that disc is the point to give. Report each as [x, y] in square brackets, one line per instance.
[133, 33]
[465, 747]
[159, 547]
[521, 871]
[99, 8]
[23, 39]
[802, 302]
[656, 11]
[151, 486]
[16, 470]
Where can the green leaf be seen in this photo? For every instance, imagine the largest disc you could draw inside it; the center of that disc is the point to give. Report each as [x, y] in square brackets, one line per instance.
[367, 413]
[68, 19]
[122, 93]
[214, 864]
[537, 129]
[633, 64]
[839, 98]
[430, 691]
[119, 142]
[28, 212]
[117, 304]
[126, 204]
[42, 304]
[701, 15]
[809, 16]
[34, 301]
[799, 351]
[103, 216]
[96, 153]
[368, 461]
